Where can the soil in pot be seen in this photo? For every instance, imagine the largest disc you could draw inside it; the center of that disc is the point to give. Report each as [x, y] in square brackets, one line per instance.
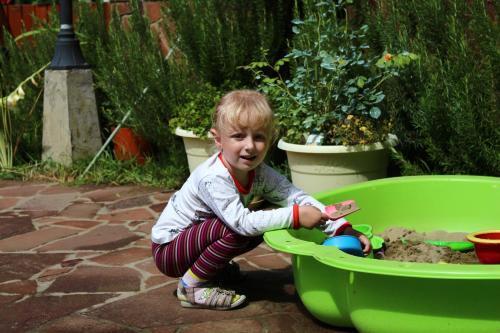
[408, 245]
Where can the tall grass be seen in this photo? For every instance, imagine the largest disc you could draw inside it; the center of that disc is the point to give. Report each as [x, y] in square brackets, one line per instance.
[107, 171]
[6, 156]
[19, 58]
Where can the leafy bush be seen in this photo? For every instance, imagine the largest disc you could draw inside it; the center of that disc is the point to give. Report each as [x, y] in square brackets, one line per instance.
[91, 30]
[334, 88]
[133, 75]
[447, 110]
[194, 112]
[125, 63]
[219, 36]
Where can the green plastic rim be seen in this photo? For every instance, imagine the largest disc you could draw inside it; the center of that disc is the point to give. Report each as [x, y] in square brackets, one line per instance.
[395, 198]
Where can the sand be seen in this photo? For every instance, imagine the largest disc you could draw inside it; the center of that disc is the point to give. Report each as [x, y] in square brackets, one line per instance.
[408, 245]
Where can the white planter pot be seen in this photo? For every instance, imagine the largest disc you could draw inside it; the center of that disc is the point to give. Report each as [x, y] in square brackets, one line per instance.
[197, 149]
[320, 168]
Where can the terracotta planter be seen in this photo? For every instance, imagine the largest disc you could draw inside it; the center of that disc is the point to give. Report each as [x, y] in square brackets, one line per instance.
[197, 149]
[128, 145]
[321, 168]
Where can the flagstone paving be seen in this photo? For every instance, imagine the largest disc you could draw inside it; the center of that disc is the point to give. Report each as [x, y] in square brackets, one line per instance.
[78, 259]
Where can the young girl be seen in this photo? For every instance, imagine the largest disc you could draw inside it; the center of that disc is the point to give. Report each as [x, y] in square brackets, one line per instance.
[207, 222]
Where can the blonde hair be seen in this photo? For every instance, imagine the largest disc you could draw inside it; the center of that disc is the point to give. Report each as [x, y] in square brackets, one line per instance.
[244, 108]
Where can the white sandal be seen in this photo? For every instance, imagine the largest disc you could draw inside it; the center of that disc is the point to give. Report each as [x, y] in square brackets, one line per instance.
[209, 298]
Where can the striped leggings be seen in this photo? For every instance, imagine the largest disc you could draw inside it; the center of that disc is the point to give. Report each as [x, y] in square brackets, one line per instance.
[205, 248]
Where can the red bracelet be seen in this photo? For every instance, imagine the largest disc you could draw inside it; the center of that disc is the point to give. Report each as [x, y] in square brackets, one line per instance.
[296, 224]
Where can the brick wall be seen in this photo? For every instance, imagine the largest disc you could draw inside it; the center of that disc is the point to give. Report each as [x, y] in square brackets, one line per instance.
[16, 17]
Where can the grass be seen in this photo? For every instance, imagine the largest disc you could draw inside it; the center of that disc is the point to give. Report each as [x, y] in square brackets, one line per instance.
[107, 170]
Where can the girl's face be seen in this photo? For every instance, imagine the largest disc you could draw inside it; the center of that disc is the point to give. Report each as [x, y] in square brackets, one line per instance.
[243, 149]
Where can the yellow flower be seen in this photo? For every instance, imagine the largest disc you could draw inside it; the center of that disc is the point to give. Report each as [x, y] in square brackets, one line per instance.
[12, 99]
[349, 117]
[20, 92]
[362, 129]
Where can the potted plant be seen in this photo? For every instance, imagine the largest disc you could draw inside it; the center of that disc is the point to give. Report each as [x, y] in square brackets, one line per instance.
[192, 121]
[329, 107]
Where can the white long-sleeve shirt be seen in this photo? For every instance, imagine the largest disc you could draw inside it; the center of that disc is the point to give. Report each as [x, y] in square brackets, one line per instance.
[211, 191]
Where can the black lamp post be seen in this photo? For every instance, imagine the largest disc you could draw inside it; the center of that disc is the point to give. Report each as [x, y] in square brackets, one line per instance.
[68, 54]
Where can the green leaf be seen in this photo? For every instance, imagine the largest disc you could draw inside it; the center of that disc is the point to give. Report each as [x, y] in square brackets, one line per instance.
[375, 112]
[381, 63]
[269, 80]
[327, 65]
[258, 64]
[361, 81]
[413, 56]
[380, 98]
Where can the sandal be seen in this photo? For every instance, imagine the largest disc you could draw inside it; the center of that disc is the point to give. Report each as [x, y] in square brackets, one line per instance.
[208, 298]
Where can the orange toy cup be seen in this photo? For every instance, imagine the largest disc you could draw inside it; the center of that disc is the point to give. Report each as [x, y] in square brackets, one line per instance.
[486, 245]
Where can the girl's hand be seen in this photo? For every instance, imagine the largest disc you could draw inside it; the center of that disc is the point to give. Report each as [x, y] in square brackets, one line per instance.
[310, 216]
[365, 242]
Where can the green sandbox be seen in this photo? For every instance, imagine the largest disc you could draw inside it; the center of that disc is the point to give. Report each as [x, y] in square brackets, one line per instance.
[390, 296]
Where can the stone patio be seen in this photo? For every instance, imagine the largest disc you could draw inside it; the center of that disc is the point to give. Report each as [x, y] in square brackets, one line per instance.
[78, 259]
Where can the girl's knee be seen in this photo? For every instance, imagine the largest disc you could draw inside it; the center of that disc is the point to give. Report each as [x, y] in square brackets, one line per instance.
[245, 243]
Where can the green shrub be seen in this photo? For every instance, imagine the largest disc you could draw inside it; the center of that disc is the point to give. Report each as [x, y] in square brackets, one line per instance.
[334, 85]
[20, 58]
[26, 54]
[219, 36]
[194, 112]
[91, 30]
[447, 111]
[133, 75]
[130, 73]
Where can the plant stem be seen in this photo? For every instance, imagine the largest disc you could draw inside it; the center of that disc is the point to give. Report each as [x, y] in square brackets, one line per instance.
[106, 143]
[18, 140]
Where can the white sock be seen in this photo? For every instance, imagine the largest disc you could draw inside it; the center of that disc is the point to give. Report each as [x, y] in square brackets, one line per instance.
[189, 279]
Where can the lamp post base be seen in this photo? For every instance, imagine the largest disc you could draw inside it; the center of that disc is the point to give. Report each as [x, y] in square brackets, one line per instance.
[68, 54]
[70, 122]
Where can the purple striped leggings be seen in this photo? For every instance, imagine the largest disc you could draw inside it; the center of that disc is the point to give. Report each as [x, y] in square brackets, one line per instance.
[205, 248]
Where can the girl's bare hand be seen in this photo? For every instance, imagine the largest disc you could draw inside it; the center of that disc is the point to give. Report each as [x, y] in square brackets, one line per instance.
[365, 242]
[310, 216]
